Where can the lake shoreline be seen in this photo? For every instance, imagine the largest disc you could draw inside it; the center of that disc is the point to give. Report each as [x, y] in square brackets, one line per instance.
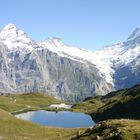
[47, 108]
[63, 119]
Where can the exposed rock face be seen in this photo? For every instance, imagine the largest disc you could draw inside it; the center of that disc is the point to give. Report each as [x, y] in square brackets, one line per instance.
[65, 71]
[44, 71]
[128, 75]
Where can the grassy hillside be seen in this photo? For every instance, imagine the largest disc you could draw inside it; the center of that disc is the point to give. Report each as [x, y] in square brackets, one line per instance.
[120, 104]
[12, 128]
[115, 105]
[89, 105]
[122, 129]
[24, 102]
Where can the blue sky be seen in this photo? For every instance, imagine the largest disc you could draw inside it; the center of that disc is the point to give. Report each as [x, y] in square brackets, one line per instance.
[89, 24]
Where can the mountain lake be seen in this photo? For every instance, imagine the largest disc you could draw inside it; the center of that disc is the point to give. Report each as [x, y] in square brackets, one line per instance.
[64, 119]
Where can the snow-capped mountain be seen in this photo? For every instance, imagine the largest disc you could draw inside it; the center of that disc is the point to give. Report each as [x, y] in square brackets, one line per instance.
[16, 39]
[68, 72]
[105, 59]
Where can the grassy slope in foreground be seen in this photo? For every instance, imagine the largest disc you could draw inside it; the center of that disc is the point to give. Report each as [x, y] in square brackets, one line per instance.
[121, 104]
[12, 128]
[122, 129]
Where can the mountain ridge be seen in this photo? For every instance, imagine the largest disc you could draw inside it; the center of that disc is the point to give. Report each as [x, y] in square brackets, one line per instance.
[49, 66]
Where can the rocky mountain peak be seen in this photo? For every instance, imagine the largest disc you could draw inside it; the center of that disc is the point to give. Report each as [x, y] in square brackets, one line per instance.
[135, 34]
[10, 31]
[54, 41]
[15, 38]
[10, 26]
